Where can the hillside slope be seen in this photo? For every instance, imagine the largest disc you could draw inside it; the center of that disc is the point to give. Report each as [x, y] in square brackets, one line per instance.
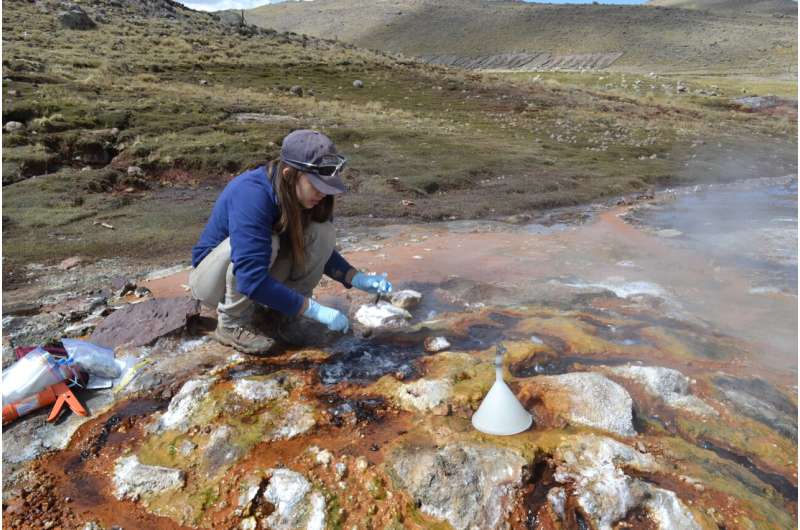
[138, 122]
[769, 7]
[648, 37]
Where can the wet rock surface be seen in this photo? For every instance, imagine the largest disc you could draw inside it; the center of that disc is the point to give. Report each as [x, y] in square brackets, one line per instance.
[759, 400]
[184, 405]
[466, 485]
[586, 398]
[296, 506]
[667, 384]
[424, 394]
[132, 479]
[604, 493]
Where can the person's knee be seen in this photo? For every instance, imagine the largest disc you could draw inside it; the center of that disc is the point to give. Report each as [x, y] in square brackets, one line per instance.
[321, 237]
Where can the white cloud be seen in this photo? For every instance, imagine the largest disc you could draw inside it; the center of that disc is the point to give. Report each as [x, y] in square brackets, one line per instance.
[217, 5]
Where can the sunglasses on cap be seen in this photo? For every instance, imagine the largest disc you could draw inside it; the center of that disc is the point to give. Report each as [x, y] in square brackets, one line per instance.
[327, 166]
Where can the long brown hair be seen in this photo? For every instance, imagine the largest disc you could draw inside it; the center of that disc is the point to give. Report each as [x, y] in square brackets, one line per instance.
[293, 218]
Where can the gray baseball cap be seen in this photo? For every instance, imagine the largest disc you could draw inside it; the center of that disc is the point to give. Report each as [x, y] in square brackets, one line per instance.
[314, 154]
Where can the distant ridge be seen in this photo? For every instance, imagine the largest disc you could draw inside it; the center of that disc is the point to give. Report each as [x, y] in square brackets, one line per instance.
[726, 39]
[769, 7]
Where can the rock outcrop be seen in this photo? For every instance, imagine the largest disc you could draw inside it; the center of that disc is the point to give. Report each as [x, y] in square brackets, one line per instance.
[424, 394]
[184, 404]
[579, 398]
[466, 485]
[143, 323]
[595, 468]
[132, 479]
[296, 505]
[667, 384]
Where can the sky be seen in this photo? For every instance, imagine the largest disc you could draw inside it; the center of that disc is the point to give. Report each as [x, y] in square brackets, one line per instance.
[216, 5]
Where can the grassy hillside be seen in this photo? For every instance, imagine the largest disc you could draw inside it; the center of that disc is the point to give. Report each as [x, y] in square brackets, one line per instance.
[650, 38]
[191, 102]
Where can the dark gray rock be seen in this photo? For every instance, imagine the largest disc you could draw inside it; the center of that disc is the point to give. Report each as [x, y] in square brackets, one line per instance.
[221, 451]
[141, 324]
[74, 17]
[122, 286]
[758, 102]
[757, 399]
[21, 308]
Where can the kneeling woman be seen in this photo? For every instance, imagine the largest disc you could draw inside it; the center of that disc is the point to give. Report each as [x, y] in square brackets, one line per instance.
[270, 239]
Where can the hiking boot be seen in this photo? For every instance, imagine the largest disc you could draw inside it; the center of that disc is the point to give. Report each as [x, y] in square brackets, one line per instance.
[243, 338]
[301, 331]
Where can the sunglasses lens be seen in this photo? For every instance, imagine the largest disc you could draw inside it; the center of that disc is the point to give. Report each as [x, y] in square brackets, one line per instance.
[327, 171]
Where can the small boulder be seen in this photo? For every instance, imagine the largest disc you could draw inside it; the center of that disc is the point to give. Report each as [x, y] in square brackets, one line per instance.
[468, 485]
[579, 398]
[186, 447]
[358, 83]
[296, 420]
[593, 467]
[436, 344]
[13, 126]
[133, 479]
[74, 17]
[424, 394]
[143, 323]
[296, 505]
[135, 171]
[668, 511]
[669, 385]
[184, 404]
[220, 451]
[296, 90]
[69, 263]
[405, 299]
[259, 390]
[382, 314]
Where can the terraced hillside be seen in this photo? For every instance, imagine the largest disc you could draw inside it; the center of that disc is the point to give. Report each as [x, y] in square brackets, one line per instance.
[648, 37]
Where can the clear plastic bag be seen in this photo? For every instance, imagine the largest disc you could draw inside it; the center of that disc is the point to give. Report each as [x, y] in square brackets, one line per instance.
[94, 359]
[31, 374]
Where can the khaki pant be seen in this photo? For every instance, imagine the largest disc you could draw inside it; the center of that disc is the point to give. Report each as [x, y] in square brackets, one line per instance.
[214, 283]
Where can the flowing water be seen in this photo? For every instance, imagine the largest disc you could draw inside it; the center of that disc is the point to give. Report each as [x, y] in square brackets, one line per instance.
[721, 259]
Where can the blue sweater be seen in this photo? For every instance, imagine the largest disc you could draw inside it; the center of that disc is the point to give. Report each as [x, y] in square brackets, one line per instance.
[245, 212]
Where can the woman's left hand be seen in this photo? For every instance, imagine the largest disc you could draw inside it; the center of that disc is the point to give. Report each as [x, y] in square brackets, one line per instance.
[372, 283]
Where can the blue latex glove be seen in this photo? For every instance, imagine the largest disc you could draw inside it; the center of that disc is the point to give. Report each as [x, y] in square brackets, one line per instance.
[329, 316]
[372, 283]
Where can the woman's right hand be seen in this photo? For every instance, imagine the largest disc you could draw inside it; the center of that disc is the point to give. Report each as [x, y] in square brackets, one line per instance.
[333, 318]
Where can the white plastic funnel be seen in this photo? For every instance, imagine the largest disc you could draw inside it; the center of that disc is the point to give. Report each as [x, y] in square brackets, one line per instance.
[501, 412]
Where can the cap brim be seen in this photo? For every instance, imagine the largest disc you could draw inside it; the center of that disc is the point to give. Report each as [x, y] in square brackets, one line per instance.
[333, 186]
